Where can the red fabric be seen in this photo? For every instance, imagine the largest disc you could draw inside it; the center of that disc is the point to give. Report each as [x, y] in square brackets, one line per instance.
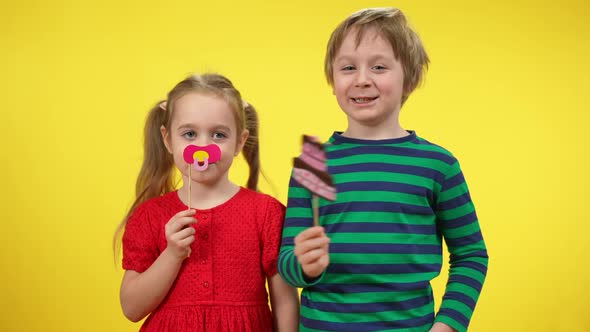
[221, 286]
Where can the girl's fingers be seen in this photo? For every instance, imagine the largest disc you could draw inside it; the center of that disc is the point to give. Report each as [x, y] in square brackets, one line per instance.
[179, 223]
[186, 241]
[182, 234]
[184, 213]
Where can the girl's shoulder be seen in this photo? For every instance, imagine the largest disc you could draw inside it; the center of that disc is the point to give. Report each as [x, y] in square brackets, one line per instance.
[162, 204]
[258, 199]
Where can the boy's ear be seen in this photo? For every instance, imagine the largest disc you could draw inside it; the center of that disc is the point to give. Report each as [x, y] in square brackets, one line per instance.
[165, 133]
[408, 87]
[242, 141]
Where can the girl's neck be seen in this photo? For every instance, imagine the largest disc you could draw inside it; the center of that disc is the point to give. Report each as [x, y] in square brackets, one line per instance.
[207, 196]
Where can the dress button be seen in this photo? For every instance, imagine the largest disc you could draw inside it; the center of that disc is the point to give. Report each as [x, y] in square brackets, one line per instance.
[206, 284]
[204, 217]
[205, 236]
[203, 261]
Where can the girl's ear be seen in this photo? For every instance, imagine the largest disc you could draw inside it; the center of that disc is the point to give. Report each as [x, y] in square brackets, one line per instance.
[165, 136]
[242, 141]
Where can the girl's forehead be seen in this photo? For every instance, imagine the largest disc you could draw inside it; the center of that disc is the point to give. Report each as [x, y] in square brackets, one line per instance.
[203, 109]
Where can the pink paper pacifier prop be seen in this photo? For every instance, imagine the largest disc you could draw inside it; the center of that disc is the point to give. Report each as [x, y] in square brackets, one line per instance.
[200, 157]
[311, 171]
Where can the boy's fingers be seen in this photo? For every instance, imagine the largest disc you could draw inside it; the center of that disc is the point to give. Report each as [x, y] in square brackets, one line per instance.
[311, 256]
[314, 270]
[310, 233]
[302, 248]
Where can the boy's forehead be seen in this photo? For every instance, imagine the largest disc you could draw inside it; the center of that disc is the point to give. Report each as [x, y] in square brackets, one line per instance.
[362, 34]
[358, 36]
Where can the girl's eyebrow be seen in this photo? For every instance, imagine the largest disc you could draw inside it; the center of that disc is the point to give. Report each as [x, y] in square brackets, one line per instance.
[216, 127]
[222, 127]
[185, 126]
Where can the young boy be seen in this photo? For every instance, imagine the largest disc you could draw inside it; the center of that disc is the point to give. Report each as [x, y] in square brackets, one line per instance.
[369, 266]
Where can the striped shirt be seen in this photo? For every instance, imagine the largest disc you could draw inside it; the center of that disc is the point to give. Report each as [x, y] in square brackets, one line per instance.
[396, 200]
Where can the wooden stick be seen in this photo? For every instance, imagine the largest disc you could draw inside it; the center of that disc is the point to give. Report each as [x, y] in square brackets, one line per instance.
[190, 180]
[315, 206]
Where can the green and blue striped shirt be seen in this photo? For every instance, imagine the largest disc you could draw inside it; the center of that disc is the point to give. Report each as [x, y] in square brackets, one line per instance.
[396, 200]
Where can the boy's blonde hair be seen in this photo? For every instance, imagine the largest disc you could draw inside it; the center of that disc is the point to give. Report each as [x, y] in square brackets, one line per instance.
[391, 25]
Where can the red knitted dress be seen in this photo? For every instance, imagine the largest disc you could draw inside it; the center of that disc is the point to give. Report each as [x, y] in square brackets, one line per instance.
[221, 286]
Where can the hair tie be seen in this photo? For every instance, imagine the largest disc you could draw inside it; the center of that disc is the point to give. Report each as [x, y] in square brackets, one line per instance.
[164, 105]
[245, 104]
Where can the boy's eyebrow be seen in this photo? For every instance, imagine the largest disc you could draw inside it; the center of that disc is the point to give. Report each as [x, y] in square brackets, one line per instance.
[347, 57]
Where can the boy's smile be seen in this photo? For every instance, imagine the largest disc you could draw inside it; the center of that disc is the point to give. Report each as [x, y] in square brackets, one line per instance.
[368, 81]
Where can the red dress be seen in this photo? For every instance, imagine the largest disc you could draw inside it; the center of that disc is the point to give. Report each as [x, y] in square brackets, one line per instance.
[221, 286]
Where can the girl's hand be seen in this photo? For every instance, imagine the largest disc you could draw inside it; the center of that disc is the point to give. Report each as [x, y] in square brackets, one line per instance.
[179, 234]
[311, 249]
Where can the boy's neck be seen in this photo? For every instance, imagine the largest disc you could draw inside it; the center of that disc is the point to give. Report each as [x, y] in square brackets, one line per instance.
[377, 132]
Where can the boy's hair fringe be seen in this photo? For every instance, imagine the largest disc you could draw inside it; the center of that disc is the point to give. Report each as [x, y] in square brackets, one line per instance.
[391, 25]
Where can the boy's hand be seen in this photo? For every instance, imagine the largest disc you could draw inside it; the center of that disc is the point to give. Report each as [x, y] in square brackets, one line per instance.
[311, 250]
[179, 235]
[441, 327]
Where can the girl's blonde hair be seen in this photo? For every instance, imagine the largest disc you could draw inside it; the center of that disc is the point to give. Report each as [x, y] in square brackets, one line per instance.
[156, 176]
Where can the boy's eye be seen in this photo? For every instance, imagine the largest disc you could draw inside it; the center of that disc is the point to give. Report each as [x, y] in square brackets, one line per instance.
[189, 134]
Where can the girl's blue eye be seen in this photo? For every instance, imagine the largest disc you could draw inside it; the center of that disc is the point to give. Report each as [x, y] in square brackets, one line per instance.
[379, 67]
[346, 68]
[189, 134]
[219, 135]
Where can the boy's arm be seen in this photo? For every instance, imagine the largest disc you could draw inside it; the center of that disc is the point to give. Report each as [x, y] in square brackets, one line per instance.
[458, 223]
[298, 217]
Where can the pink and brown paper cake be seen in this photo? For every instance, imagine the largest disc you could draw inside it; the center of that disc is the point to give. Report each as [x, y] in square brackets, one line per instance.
[311, 171]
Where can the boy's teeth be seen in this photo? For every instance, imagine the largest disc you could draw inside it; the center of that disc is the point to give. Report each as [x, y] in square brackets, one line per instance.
[362, 100]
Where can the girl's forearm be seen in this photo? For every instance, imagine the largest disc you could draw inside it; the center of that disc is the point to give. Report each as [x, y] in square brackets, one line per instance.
[142, 292]
[284, 301]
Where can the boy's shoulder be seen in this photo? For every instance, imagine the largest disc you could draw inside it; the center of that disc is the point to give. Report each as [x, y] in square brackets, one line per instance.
[427, 145]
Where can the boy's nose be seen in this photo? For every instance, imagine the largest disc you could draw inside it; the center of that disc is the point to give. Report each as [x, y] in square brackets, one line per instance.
[362, 79]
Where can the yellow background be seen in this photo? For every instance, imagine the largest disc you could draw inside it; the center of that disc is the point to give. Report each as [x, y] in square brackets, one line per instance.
[507, 93]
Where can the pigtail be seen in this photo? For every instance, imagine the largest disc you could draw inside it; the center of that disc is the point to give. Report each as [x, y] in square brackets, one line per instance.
[251, 149]
[156, 175]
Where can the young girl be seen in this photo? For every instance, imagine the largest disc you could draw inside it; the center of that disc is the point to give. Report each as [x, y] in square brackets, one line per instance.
[203, 268]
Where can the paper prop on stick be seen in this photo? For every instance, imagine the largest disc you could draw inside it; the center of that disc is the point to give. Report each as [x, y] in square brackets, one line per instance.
[311, 171]
[200, 157]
